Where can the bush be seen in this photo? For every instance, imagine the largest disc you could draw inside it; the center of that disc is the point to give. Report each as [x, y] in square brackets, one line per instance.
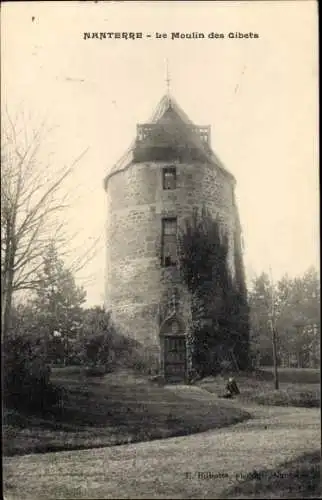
[95, 371]
[97, 337]
[103, 349]
[26, 383]
[157, 379]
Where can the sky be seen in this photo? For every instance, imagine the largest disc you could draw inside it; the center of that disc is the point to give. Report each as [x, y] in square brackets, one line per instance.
[260, 96]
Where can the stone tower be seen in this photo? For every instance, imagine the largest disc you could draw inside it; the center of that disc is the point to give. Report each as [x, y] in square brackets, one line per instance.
[169, 170]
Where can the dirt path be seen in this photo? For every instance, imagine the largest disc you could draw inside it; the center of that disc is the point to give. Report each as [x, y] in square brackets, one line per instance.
[195, 466]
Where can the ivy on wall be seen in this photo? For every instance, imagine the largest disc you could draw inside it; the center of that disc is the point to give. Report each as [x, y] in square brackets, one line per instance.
[218, 301]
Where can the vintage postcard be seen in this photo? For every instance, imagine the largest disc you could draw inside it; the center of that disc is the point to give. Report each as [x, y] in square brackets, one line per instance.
[160, 282]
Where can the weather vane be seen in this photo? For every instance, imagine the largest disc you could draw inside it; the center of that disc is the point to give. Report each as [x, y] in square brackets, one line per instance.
[168, 80]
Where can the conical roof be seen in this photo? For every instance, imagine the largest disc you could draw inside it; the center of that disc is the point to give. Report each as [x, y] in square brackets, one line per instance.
[166, 104]
[173, 126]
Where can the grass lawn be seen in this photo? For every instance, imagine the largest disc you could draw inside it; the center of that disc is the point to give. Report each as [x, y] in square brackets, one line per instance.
[115, 409]
[202, 465]
[294, 375]
[298, 387]
[298, 478]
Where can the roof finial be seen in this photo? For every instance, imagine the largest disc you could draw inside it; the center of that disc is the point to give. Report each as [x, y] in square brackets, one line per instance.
[168, 80]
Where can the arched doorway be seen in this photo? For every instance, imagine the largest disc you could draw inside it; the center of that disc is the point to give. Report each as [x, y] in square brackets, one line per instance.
[173, 349]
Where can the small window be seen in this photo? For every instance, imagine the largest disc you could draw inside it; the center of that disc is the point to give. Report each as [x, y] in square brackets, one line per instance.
[169, 178]
[169, 242]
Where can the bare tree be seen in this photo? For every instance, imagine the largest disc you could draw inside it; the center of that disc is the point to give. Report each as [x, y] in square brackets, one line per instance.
[31, 205]
[273, 327]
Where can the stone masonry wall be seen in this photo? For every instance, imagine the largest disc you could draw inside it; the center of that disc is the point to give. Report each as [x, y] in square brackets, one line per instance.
[136, 204]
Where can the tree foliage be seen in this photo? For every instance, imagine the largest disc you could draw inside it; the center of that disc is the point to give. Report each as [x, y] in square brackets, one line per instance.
[58, 303]
[295, 303]
[102, 348]
[26, 374]
[96, 337]
[31, 342]
[260, 307]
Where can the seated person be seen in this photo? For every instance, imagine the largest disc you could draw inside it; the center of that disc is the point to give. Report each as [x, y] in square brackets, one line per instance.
[231, 388]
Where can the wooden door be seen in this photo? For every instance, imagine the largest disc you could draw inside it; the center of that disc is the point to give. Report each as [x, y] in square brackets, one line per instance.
[174, 358]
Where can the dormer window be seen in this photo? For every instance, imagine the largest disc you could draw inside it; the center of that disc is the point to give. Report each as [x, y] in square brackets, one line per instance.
[169, 178]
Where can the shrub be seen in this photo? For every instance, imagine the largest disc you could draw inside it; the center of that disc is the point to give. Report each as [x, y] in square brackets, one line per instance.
[95, 371]
[95, 345]
[26, 382]
[103, 349]
[157, 379]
